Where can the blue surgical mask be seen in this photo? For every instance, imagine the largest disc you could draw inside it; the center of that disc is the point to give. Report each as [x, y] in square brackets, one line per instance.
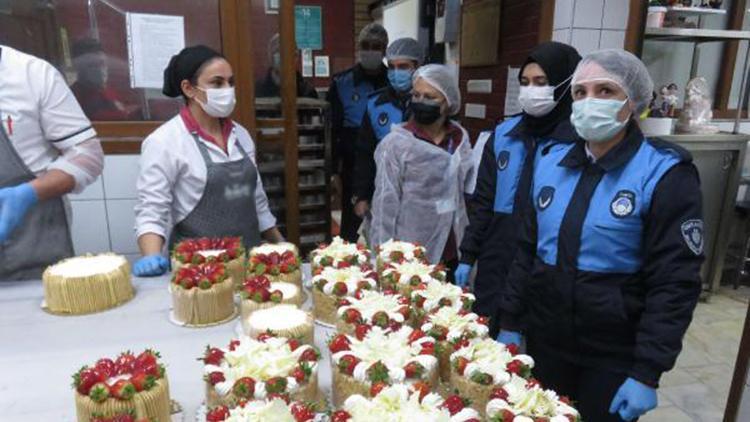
[400, 79]
[595, 119]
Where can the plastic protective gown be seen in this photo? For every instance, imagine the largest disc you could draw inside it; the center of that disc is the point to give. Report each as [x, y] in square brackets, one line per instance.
[419, 191]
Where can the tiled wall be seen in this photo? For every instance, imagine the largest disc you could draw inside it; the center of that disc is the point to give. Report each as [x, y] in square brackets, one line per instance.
[103, 217]
[590, 25]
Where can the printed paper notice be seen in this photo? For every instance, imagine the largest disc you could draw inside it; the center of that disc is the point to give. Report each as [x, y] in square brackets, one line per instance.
[322, 68]
[512, 89]
[307, 63]
[152, 41]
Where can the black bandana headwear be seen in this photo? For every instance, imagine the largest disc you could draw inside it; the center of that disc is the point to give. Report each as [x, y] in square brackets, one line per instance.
[183, 66]
[558, 61]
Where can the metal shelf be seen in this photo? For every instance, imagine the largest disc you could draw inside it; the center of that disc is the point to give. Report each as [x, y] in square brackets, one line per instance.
[694, 35]
[678, 10]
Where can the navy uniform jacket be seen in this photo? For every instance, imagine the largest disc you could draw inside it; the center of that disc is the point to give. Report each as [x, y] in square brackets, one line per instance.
[608, 268]
[497, 206]
[348, 96]
[384, 109]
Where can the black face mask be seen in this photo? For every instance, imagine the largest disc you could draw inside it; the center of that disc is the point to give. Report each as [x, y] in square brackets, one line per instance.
[425, 114]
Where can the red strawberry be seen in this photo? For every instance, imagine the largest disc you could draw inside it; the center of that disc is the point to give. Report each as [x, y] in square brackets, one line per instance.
[340, 416]
[99, 392]
[123, 390]
[124, 363]
[380, 319]
[338, 343]
[281, 396]
[340, 289]
[299, 374]
[274, 258]
[342, 302]
[344, 264]
[364, 285]
[213, 356]
[414, 281]
[276, 296]
[217, 414]
[276, 385]
[403, 300]
[413, 370]
[376, 388]
[285, 268]
[394, 325]
[438, 333]
[142, 381]
[428, 349]
[293, 344]
[532, 382]
[106, 367]
[233, 344]
[244, 388]
[359, 293]
[146, 358]
[507, 416]
[512, 349]
[461, 343]
[302, 412]
[361, 330]
[459, 364]
[262, 337]
[347, 364]
[419, 301]
[518, 368]
[499, 393]
[215, 377]
[310, 355]
[84, 379]
[422, 387]
[157, 371]
[352, 316]
[453, 404]
[405, 311]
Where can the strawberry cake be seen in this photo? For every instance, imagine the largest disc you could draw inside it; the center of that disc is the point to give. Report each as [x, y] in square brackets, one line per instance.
[282, 320]
[482, 364]
[406, 276]
[339, 253]
[429, 297]
[397, 251]
[405, 403]
[202, 294]
[331, 284]
[87, 284]
[452, 328]
[259, 293]
[130, 385]
[521, 400]
[383, 309]
[277, 261]
[374, 355]
[276, 410]
[265, 368]
[227, 250]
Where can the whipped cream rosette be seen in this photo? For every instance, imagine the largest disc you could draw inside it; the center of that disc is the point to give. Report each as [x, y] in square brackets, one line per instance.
[227, 250]
[274, 410]
[521, 400]
[279, 262]
[339, 253]
[331, 284]
[202, 294]
[259, 293]
[409, 275]
[429, 297]
[261, 369]
[396, 251]
[372, 308]
[376, 355]
[282, 320]
[400, 402]
[86, 284]
[131, 384]
[482, 364]
[452, 329]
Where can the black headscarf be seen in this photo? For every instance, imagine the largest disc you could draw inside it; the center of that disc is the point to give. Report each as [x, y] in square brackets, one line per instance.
[184, 65]
[558, 61]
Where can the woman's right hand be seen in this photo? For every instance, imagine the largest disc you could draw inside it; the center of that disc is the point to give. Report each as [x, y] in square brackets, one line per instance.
[150, 266]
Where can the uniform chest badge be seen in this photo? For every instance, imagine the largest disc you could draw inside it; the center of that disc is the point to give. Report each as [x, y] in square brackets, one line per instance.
[383, 119]
[692, 232]
[546, 195]
[502, 160]
[623, 204]
[355, 97]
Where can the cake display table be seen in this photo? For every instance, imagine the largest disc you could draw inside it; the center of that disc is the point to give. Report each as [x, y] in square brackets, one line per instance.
[40, 351]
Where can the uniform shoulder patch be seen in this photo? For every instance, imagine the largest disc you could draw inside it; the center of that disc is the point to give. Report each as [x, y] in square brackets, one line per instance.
[623, 204]
[503, 158]
[546, 195]
[663, 145]
[692, 233]
[383, 119]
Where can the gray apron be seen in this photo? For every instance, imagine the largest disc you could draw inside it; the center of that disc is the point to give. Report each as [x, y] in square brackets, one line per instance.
[43, 237]
[227, 207]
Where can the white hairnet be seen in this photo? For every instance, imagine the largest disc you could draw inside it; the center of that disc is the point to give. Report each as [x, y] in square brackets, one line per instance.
[405, 49]
[373, 33]
[442, 78]
[620, 67]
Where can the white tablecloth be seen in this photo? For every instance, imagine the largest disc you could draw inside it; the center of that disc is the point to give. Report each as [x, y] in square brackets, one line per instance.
[39, 352]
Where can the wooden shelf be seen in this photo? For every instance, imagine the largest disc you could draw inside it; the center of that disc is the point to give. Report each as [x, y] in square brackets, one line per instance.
[310, 207]
[312, 188]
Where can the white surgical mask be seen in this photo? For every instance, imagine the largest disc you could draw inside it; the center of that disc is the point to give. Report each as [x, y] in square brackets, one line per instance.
[219, 101]
[537, 100]
[595, 119]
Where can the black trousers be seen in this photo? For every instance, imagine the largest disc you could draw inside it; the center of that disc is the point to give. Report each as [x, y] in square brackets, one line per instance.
[590, 389]
[349, 221]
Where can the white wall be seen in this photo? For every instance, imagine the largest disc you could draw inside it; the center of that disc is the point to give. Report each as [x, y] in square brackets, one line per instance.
[103, 217]
[590, 25]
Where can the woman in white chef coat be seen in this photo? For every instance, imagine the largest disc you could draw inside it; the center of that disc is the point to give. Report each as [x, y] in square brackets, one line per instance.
[198, 174]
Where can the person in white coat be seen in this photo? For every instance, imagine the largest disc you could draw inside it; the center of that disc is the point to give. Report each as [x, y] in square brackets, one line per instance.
[423, 169]
[198, 172]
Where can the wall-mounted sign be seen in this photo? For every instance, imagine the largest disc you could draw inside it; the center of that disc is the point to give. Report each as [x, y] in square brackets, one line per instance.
[152, 41]
[308, 27]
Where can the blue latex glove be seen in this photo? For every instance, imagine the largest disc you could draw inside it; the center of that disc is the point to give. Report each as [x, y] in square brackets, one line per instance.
[633, 399]
[14, 204]
[150, 266]
[509, 337]
[462, 275]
